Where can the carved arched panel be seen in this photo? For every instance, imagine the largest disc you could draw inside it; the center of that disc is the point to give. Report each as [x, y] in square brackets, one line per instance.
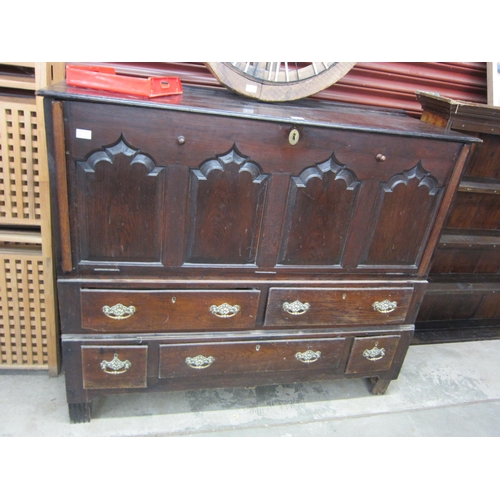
[227, 196]
[320, 204]
[117, 186]
[404, 212]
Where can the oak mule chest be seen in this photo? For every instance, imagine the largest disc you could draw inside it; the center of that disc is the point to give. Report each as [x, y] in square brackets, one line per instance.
[208, 240]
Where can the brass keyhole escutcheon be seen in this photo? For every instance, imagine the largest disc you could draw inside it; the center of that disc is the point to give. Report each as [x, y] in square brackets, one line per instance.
[293, 136]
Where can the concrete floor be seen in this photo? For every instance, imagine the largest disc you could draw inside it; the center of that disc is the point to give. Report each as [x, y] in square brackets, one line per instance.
[443, 390]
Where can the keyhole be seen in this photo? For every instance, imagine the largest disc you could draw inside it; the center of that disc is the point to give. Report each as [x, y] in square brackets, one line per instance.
[293, 137]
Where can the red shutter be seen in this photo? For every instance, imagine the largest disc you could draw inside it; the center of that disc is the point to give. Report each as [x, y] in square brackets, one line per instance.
[390, 84]
[393, 85]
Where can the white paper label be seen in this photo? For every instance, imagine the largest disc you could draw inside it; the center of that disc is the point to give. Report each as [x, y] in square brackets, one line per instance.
[251, 88]
[83, 134]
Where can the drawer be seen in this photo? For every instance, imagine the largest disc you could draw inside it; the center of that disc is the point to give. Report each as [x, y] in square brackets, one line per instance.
[114, 367]
[168, 310]
[225, 358]
[372, 354]
[297, 307]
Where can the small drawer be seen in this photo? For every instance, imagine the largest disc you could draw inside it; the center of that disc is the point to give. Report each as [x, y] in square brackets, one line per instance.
[168, 310]
[372, 354]
[297, 307]
[114, 367]
[225, 358]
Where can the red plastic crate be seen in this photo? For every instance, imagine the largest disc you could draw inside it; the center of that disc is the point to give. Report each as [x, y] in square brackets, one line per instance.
[105, 78]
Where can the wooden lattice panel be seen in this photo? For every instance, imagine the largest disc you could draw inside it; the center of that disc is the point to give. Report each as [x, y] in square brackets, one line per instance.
[23, 321]
[19, 162]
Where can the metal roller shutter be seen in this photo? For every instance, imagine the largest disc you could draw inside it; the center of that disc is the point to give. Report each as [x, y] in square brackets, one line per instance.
[386, 84]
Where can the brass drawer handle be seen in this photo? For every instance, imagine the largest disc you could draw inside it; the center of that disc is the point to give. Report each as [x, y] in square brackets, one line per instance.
[374, 354]
[296, 308]
[115, 366]
[118, 311]
[384, 307]
[225, 310]
[308, 356]
[200, 362]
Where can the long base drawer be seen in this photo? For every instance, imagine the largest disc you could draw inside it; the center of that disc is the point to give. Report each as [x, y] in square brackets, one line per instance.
[208, 359]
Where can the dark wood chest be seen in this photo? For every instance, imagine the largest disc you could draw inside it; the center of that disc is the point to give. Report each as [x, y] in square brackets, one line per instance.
[206, 240]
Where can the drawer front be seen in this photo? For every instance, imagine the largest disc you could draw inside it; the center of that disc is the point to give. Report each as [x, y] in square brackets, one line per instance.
[372, 354]
[168, 310]
[200, 360]
[114, 367]
[296, 307]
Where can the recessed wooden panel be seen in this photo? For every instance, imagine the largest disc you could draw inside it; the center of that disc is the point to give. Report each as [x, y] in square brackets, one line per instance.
[475, 211]
[403, 216]
[486, 159]
[372, 354]
[168, 310]
[226, 204]
[200, 360]
[455, 306]
[450, 260]
[296, 307]
[489, 307]
[449, 306]
[120, 205]
[114, 367]
[466, 260]
[319, 211]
